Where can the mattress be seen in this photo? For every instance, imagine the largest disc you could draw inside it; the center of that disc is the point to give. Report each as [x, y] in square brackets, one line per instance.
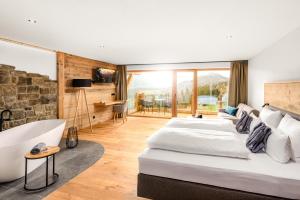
[260, 174]
[217, 124]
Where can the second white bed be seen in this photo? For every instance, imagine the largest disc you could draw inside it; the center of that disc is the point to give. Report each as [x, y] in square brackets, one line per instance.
[217, 124]
[260, 174]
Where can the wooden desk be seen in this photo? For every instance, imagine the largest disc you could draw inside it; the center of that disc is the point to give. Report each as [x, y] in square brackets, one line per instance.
[111, 103]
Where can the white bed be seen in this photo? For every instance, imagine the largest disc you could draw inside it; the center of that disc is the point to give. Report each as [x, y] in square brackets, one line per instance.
[217, 124]
[200, 141]
[260, 174]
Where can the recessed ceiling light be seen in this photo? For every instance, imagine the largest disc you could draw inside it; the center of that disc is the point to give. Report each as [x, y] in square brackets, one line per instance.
[32, 21]
[101, 45]
[229, 36]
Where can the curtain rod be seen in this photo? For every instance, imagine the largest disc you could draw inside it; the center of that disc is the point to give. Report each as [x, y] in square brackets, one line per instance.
[25, 44]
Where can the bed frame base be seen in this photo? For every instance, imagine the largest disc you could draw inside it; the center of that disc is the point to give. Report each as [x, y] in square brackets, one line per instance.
[160, 188]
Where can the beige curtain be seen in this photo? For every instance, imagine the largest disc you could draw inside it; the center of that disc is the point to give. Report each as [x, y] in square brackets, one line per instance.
[238, 84]
[121, 82]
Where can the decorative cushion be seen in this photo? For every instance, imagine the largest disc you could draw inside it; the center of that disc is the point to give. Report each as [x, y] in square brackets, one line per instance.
[243, 107]
[231, 110]
[243, 124]
[279, 146]
[270, 117]
[291, 127]
[257, 140]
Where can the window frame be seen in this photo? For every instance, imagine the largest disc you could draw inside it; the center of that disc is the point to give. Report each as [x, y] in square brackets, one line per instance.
[174, 87]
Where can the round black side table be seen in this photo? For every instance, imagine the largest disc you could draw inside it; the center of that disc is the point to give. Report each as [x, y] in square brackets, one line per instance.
[51, 151]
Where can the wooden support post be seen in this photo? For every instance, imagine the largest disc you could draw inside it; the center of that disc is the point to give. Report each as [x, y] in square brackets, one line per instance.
[60, 57]
[195, 94]
[174, 94]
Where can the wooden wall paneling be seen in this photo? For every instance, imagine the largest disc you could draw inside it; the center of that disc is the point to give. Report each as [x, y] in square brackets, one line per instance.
[78, 97]
[61, 86]
[82, 119]
[87, 109]
[283, 95]
[79, 67]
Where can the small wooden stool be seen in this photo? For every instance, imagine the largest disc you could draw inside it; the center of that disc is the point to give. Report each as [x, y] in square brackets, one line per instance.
[51, 151]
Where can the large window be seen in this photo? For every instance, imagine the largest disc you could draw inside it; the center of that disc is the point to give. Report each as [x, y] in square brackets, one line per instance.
[212, 90]
[177, 93]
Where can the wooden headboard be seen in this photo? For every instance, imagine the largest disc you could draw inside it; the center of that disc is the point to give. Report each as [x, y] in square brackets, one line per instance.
[283, 95]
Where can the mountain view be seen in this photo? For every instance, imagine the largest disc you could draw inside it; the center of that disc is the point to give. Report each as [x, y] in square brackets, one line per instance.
[212, 87]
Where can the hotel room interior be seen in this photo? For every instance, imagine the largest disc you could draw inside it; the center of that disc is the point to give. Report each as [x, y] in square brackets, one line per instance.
[149, 99]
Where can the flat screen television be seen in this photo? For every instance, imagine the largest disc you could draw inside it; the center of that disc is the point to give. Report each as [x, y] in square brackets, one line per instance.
[103, 75]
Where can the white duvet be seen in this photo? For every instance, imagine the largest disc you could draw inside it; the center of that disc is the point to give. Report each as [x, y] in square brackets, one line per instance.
[207, 124]
[199, 141]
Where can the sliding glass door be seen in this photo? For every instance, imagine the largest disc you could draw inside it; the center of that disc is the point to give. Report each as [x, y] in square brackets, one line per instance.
[177, 93]
[150, 93]
[184, 92]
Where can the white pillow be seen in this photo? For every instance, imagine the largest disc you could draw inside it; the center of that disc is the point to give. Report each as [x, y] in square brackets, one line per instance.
[270, 117]
[279, 146]
[291, 127]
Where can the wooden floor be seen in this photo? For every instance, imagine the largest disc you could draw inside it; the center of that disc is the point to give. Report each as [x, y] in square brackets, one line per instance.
[114, 176]
[152, 114]
[166, 115]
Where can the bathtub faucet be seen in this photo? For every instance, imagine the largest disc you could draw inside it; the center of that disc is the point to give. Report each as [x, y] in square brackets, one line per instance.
[6, 119]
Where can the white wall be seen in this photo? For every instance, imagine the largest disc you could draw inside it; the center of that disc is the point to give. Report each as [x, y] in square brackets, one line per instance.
[280, 62]
[28, 59]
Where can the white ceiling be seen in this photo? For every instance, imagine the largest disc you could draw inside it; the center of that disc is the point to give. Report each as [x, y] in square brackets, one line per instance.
[151, 31]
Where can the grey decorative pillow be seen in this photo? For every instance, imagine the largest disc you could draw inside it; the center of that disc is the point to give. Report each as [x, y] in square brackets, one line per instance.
[257, 140]
[243, 124]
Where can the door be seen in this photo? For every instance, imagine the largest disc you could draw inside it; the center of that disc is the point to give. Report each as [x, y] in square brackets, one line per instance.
[150, 93]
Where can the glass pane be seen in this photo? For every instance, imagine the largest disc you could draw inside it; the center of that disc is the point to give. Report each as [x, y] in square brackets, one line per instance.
[150, 94]
[184, 92]
[212, 90]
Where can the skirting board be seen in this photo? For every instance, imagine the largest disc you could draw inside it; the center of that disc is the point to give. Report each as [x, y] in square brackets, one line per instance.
[160, 188]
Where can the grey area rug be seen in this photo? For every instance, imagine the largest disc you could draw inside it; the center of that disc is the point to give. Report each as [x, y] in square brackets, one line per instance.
[68, 164]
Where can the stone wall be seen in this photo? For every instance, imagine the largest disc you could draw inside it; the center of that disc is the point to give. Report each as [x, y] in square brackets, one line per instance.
[29, 96]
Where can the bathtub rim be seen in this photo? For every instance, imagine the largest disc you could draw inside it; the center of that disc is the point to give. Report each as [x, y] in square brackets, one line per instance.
[63, 123]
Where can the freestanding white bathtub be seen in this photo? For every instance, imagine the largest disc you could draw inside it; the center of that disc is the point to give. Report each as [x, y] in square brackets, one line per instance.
[15, 142]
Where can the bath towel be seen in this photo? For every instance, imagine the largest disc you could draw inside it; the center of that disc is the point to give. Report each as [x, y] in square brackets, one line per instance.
[38, 148]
